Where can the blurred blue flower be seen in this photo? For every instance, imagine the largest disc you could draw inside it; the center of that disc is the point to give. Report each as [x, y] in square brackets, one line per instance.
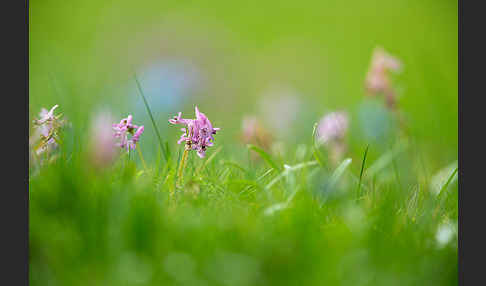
[165, 84]
[376, 122]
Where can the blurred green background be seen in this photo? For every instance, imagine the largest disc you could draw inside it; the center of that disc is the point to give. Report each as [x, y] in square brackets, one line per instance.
[222, 56]
[233, 59]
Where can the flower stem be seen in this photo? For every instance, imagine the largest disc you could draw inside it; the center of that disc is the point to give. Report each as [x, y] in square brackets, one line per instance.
[141, 157]
[181, 167]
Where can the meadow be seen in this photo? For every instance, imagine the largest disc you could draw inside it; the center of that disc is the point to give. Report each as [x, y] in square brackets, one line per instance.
[335, 162]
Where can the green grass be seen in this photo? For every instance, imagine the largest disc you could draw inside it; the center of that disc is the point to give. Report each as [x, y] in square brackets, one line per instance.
[235, 224]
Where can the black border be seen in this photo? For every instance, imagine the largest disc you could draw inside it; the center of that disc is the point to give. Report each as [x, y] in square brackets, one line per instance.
[472, 194]
[14, 211]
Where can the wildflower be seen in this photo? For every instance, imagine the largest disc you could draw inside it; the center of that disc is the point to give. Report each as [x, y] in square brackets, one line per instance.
[101, 141]
[124, 128]
[331, 132]
[378, 80]
[46, 134]
[198, 134]
[253, 132]
[332, 127]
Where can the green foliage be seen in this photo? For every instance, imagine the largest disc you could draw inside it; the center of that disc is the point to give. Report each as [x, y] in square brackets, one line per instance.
[226, 227]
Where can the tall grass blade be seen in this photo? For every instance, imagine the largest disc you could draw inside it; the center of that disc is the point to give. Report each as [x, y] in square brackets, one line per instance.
[333, 180]
[264, 174]
[397, 176]
[317, 154]
[362, 170]
[274, 208]
[444, 187]
[265, 156]
[441, 177]
[288, 170]
[339, 172]
[235, 165]
[281, 206]
[209, 159]
[386, 159]
[165, 152]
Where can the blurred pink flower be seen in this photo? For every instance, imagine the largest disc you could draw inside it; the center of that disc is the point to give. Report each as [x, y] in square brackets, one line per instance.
[253, 132]
[378, 80]
[332, 127]
[102, 148]
[198, 133]
[331, 132]
[124, 128]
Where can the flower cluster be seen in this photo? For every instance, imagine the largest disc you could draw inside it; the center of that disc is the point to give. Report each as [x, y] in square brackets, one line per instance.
[377, 80]
[198, 134]
[124, 128]
[46, 132]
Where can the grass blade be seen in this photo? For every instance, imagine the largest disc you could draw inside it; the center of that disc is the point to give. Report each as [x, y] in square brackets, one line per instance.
[361, 172]
[209, 159]
[386, 159]
[274, 208]
[288, 170]
[264, 174]
[317, 154]
[165, 151]
[235, 165]
[444, 187]
[339, 172]
[333, 180]
[265, 156]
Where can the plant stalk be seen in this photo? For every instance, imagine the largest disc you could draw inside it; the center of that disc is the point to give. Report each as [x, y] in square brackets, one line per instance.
[182, 165]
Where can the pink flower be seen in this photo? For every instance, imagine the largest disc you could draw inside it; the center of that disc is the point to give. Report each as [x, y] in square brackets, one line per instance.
[332, 127]
[46, 130]
[254, 132]
[136, 137]
[101, 145]
[331, 132]
[124, 128]
[198, 133]
[378, 80]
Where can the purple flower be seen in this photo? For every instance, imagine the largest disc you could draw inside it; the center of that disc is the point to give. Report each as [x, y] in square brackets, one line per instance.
[331, 131]
[198, 133]
[332, 127]
[136, 137]
[124, 128]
